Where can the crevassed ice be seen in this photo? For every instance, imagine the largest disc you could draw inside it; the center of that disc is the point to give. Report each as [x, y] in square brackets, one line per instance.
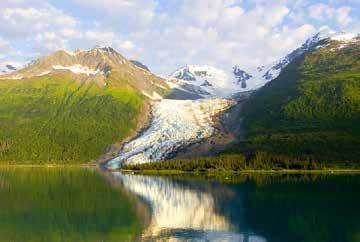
[77, 69]
[175, 124]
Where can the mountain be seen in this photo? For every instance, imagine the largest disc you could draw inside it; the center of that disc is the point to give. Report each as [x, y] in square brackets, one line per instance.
[256, 78]
[205, 77]
[206, 81]
[6, 68]
[99, 65]
[69, 107]
[210, 81]
[311, 111]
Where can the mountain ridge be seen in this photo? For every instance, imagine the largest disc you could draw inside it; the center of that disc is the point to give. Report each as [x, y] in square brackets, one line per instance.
[100, 65]
[242, 80]
[310, 112]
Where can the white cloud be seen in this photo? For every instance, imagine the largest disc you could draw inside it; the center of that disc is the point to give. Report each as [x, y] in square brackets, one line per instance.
[99, 38]
[4, 45]
[132, 13]
[343, 16]
[167, 34]
[326, 13]
[20, 22]
[126, 45]
[50, 41]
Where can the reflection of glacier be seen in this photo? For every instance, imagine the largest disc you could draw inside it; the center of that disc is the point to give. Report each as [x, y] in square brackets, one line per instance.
[180, 213]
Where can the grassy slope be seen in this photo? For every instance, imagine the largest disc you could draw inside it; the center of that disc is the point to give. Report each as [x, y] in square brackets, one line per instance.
[310, 112]
[55, 119]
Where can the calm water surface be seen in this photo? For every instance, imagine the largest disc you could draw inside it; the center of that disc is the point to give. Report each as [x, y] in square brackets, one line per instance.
[55, 204]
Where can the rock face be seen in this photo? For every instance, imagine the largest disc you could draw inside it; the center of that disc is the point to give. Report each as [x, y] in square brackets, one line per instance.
[97, 64]
[6, 68]
[175, 125]
[139, 64]
[241, 77]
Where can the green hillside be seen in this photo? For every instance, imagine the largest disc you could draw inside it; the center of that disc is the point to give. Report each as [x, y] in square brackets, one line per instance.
[311, 112]
[56, 119]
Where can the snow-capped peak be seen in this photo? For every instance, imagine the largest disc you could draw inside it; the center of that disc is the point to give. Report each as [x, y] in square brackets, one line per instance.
[338, 36]
[211, 80]
[344, 36]
[217, 82]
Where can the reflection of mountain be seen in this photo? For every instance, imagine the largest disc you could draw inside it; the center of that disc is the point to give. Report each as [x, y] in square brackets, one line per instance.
[179, 212]
[282, 208]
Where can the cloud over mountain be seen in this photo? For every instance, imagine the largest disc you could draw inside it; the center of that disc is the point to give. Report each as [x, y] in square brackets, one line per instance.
[169, 34]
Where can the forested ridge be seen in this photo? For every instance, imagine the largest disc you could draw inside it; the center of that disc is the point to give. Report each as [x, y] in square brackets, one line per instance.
[311, 112]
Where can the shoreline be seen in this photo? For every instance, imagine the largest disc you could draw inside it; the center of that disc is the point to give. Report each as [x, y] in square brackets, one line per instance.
[285, 171]
[194, 173]
[50, 165]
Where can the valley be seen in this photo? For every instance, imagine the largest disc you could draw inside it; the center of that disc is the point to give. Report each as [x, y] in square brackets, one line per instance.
[96, 106]
[176, 124]
[201, 120]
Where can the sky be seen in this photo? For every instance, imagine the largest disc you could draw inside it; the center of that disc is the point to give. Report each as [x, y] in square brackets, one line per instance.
[168, 34]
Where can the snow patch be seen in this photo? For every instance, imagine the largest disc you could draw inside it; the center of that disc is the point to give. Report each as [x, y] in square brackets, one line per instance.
[77, 69]
[16, 77]
[344, 37]
[175, 124]
[43, 73]
[153, 96]
[70, 53]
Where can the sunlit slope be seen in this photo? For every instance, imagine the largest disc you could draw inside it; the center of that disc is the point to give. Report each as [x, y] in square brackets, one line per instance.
[312, 110]
[53, 118]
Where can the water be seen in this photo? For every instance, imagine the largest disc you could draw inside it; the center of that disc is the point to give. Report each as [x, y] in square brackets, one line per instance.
[89, 205]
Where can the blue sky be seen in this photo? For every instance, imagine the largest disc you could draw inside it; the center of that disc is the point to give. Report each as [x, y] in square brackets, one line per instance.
[167, 34]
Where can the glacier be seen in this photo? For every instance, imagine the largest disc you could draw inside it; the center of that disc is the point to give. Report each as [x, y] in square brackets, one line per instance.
[175, 124]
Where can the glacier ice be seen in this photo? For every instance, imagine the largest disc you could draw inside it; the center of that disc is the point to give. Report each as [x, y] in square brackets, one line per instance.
[175, 124]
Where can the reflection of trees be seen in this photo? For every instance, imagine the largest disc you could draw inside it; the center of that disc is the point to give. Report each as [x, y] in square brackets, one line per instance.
[58, 204]
[298, 209]
[3, 184]
[142, 208]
